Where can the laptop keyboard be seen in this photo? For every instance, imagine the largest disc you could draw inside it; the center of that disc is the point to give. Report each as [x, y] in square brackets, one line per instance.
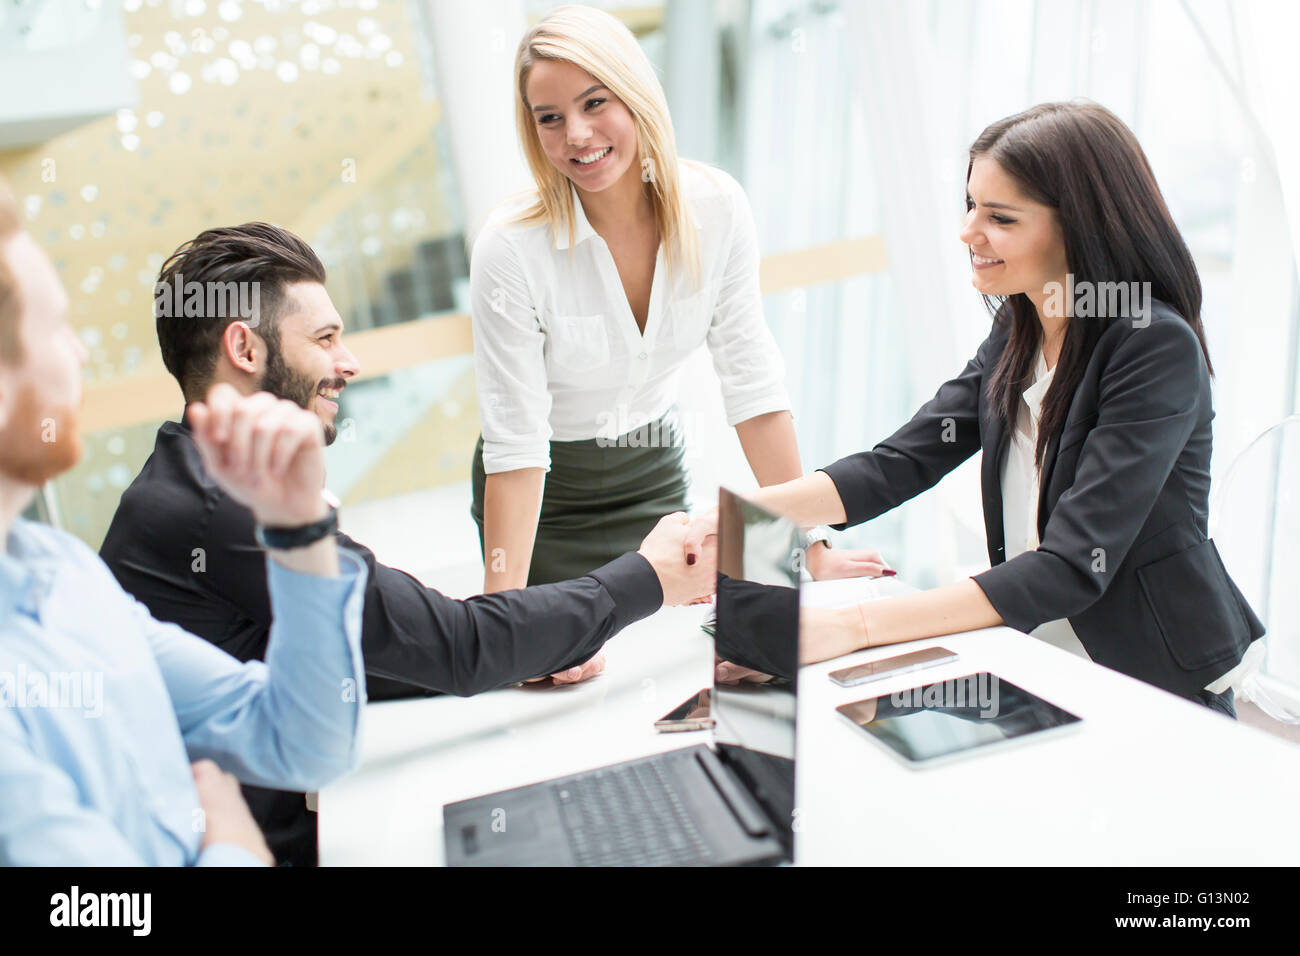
[628, 816]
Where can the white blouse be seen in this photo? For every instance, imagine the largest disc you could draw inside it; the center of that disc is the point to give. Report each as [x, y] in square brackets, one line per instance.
[1020, 488]
[557, 350]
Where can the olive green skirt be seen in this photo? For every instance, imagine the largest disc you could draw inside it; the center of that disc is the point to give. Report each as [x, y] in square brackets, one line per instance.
[600, 498]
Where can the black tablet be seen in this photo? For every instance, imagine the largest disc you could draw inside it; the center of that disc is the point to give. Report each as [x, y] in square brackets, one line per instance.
[947, 718]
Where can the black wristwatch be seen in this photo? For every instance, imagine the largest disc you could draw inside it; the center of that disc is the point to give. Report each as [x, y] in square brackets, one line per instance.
[285, 539]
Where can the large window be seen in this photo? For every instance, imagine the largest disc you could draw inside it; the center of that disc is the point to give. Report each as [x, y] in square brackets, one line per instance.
[315, 115]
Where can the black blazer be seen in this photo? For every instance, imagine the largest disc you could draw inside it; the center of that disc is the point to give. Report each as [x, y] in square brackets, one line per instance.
[1122, 510]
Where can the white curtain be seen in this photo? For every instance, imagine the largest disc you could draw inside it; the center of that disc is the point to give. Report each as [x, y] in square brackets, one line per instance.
[1257, 62]
[1269, 29]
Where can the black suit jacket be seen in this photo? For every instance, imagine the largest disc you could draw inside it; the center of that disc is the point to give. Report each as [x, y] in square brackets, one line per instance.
[1122, 510]
[185, 549]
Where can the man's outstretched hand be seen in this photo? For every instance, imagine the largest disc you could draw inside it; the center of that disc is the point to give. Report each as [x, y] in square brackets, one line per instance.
[686, 564]
[687, 575]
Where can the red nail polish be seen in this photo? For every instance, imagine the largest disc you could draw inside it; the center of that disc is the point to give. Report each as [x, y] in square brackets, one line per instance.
[690, 559]
[888, 573]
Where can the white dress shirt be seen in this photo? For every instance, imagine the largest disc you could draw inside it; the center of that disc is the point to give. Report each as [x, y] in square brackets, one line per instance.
[557, 350]
[1020, 488]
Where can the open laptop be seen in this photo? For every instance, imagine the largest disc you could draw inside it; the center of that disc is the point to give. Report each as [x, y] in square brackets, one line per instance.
[730, 802]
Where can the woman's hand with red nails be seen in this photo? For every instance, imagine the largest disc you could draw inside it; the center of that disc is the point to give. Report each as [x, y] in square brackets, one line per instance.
[825, 563]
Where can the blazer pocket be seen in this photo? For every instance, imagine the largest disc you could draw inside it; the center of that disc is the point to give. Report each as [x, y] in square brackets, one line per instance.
[579, 342]
[1195, 606]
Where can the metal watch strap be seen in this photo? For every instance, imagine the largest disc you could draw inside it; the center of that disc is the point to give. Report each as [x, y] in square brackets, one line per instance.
[285, 539]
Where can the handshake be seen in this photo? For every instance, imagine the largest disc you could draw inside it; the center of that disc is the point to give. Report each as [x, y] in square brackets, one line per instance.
[684, 554]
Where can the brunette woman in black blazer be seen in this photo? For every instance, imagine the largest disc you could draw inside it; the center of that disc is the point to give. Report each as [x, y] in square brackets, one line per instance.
[1106, 416]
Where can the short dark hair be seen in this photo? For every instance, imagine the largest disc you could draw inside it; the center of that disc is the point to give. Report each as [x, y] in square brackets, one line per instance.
[256, 252]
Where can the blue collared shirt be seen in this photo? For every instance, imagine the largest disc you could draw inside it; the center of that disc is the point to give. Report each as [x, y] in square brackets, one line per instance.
[103, 708]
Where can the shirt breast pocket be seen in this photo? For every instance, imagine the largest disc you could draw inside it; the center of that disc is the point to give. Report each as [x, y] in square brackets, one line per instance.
[691, 317]
[579, 343]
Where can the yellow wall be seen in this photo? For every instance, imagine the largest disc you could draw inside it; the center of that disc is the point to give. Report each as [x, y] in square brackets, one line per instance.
[110, 200]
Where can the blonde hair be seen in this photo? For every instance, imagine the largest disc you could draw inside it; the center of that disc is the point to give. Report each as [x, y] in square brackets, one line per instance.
[10, 224]
[594, 41]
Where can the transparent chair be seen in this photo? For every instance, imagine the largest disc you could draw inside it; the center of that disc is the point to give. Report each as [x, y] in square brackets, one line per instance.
[45, 507]
[1255, 522]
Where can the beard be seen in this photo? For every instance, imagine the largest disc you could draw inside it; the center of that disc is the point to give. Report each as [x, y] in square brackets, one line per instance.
[40, 442]
[284, 382]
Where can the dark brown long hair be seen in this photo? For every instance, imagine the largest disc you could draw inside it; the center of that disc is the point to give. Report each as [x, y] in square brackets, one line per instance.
[1080, 159]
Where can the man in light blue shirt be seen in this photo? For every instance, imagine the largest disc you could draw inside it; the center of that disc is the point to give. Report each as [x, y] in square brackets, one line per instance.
[102, 708]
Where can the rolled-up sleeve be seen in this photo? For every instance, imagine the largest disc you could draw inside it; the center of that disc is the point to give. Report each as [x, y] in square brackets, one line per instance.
[510, 359]
[744, 353]
[293, 722]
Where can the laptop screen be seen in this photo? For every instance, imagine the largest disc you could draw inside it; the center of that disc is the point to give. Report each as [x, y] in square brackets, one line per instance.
[759, 560]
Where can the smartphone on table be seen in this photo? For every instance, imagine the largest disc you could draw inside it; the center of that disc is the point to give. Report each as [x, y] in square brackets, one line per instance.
[690, 714]
[892, 666]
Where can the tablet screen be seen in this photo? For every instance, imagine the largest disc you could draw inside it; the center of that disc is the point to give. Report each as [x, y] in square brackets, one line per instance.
[951, 716]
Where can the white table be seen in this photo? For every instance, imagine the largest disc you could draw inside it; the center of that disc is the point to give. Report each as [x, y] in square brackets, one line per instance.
[1147, 778]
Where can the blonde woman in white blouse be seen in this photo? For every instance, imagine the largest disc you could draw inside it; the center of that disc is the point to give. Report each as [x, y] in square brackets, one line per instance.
[588, 296]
